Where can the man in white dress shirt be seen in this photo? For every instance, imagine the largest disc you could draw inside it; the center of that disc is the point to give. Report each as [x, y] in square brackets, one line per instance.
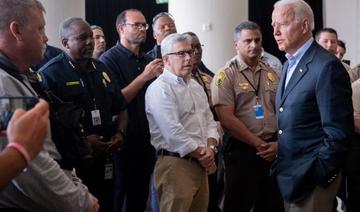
[182, 129]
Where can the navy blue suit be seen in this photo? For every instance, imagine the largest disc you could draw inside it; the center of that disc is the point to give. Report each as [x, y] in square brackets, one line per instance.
[315, 121]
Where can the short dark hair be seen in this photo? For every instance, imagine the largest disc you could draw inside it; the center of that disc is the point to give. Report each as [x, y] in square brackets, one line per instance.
[121, 18]
[341, 44]
[162, 14]
[327, 29]
[245, 25]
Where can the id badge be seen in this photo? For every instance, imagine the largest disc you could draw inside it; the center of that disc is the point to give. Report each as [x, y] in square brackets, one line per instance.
[95, 116]
[259, 111]
[108, 172]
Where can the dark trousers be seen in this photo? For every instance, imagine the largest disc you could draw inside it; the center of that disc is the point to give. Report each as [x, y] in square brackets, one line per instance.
[247, 181]
[352, 175]
[133, 169]
[93, 177]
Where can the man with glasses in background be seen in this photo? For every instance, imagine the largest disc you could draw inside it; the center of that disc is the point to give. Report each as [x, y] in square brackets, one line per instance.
[163, 25]
[182, 130]
[133, 71]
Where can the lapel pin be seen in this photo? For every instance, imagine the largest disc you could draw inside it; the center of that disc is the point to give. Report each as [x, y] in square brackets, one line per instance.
[301, 70]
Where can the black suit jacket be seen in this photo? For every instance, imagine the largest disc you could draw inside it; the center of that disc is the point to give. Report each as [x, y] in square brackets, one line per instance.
[315, 121]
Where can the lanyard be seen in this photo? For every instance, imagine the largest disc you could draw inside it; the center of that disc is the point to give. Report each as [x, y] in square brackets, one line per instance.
[258, 85]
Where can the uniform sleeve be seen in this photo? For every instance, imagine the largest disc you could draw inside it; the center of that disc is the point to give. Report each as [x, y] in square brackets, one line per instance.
[51, 188]
[222, 92]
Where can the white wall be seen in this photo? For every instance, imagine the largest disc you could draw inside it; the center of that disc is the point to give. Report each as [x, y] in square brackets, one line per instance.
[56, 12]
[344, 17]
[221, 15]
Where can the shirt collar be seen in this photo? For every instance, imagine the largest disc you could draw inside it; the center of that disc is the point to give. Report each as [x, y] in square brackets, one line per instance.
[9, 67]
[127, 52]
[168, 74]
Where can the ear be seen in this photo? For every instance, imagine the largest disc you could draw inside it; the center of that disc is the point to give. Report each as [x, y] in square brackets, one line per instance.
[64, 42]
[15, 30]
[120, 28]
[166, 60]
[306, 26]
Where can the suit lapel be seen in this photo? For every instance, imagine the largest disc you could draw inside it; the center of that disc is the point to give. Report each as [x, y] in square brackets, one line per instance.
[281, 85]
[300, 70]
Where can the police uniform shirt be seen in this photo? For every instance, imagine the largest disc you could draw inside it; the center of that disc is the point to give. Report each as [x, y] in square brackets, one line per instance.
[125, 67]
[230, 87]
[91, 90]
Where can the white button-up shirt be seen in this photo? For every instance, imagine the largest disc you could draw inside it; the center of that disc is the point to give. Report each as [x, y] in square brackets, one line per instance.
[179, 115]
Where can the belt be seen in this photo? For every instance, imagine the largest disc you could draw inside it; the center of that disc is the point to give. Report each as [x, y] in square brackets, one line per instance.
[163, 152]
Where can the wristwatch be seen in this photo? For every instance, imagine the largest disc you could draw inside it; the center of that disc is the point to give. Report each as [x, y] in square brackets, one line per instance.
[214, 148]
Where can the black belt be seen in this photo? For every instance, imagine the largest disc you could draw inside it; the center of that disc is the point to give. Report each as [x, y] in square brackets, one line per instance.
[163, 152]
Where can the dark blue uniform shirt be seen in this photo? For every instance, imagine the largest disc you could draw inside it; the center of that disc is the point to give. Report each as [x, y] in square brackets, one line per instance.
[125, 67]
[91, 90]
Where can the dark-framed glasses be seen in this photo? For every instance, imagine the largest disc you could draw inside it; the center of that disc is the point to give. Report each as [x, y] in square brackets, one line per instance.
[138, 25]
[183, 53]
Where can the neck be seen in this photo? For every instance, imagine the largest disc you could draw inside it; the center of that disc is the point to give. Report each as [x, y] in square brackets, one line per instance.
[134, 48]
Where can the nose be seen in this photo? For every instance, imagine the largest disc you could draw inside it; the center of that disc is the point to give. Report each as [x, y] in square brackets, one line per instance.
[45, 38]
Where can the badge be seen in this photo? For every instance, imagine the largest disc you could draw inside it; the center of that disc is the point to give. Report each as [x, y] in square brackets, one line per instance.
[259, 111]
[220, 78]
[108, 172]
[244, 85]
[106, 77]
[205, 79]
[271, 77]
[95, 116]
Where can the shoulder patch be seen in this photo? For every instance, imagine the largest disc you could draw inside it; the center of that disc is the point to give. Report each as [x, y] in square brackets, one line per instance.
[219, 78]
[271, 76]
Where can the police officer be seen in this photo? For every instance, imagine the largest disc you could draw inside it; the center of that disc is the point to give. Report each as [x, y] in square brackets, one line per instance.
[243, 95]
[74, 76]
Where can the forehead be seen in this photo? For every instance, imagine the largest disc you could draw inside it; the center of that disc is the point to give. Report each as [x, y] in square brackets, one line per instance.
[249, 33]
[97, 32]
[163, 20]
[79, 27]
[283, 12]
[135, 17]
[36, 16]
[181, 45]
[327, 35]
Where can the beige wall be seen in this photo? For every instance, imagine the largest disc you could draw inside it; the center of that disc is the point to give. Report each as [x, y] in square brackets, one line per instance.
[344, 17]
[56, 12]
[221, 15]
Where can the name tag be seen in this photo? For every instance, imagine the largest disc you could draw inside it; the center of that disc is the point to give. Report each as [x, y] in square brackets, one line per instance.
[259, 111]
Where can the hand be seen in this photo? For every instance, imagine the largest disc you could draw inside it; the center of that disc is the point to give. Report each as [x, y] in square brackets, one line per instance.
[114, 143]
[211, 169]
[207, 158]
[96, 205]
[98, 146]
[153, 69]
[30, 128]
[268, 151]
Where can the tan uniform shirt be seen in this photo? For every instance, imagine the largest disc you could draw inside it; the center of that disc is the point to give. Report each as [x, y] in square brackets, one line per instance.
[356, 98]
[230, 87]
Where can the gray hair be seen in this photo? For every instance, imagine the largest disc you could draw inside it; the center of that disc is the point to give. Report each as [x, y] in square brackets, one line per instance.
[65, 28]
[245, 25]
[159, 15]
[17, 10]
[93, 27]
[168, 43]
[301, 10]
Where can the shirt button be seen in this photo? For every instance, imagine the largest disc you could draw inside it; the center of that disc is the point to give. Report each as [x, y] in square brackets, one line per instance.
[280, 132]
[281, 109]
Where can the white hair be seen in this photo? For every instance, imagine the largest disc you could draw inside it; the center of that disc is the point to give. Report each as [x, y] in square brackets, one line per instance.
[168, 43]
[301, 10]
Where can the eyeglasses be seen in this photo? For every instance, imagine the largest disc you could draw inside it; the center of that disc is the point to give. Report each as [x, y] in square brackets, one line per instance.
[190, 52]
[197, 46]
[138, 26]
